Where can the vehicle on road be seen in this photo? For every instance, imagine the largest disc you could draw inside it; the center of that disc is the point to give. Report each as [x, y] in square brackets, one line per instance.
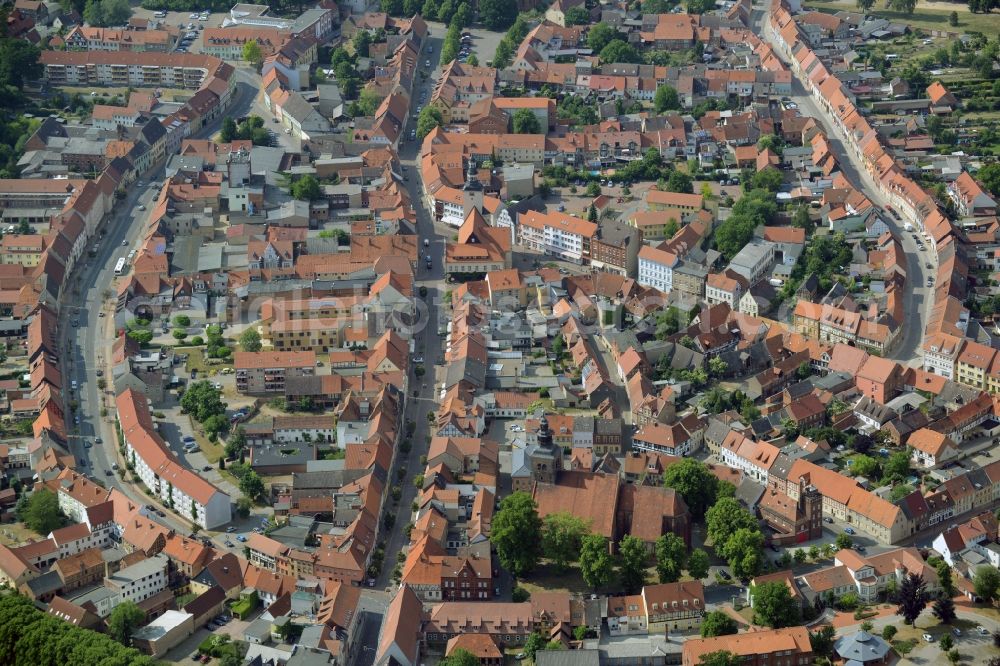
[848, 530]
[98, 440]
[956, 631]
[120, 266]
[828, 519]
[725, 574]
[928, 638]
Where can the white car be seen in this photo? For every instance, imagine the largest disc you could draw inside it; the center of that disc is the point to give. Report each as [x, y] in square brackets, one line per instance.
[193, 16]
[928, 638]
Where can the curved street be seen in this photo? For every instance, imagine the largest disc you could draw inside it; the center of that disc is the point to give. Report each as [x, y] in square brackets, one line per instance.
[917, 296]
[85, 347]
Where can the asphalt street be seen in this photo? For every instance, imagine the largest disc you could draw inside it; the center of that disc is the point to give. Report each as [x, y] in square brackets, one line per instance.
[917, 298]
[90, 304]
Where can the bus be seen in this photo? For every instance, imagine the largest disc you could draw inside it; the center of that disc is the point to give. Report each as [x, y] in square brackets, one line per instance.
[120, 266]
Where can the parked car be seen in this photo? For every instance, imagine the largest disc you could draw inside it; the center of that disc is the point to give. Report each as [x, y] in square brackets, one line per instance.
[928, 638]
[241, 538]
[725, 574]
[848, 530]
[828, 519]
[956, 631]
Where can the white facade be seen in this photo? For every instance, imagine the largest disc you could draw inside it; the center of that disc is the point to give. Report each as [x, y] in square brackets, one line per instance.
[656, 269]
[141, 580]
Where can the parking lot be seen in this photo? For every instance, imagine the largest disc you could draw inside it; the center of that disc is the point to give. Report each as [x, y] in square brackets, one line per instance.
[188, 23]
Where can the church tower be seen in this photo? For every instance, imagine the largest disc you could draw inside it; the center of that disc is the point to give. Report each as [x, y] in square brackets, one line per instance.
[472, 191]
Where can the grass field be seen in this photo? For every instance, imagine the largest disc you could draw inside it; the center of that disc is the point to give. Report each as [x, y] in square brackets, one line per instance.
[928, 15]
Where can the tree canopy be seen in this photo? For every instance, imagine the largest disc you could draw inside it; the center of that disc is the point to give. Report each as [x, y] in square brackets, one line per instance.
[632, 563]
[517, 533]
[562, 534]
[618, 50]
[600, 36]
[718, 623]
[497, 14]
[125, 618]
[306, 188]
[526, 122]
[774, 606]
[596, 565]
[694, 482]
[30, 636]
[250, 340]
[666, 99]
[41, 512]
[671, 557]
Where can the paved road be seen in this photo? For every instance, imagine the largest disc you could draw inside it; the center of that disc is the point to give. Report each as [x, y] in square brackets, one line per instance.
[86, 346]
[917, 299]
[428, 344]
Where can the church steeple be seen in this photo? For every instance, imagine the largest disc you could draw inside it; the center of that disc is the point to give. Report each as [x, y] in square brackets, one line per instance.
[544, 434]
[472, 191]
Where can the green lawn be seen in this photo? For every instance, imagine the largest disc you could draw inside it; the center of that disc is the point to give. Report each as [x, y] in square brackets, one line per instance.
[929, 15]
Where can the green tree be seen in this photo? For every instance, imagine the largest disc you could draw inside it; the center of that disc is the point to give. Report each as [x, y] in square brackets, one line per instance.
[670, 228]
[618, 50]
[125, 618]
[429, 9]
[768, 179]
[680, 182]
[366, 104]
[497, 14]
[18, 63]
[897, 467]
[252, 485]
[987, 583]
[593, 189]
[864, 466]
[905, 6]
[362, 43]
[717, 366]
[801, 218]
[250, 340]
[577, 16]
[720, 658]
[666, 99]
[843, 541]
[517, 533]
[306, 188]
[725, 517]
[865, 5]
[717, 623]
[671, 553]
[445, 11]
[756, 208]
[93, 13]
[526, 122]
[596, 565]
[989, 176]
[533, 644]
[460, 657]
[429, 118]
[562, 533]
[252, 53]
[697, 564]
[743, 552]
[41, 512]
[822, 641]
[631, 563]
[202, 400]
[694, 482]
[774, 606]
[600, 36]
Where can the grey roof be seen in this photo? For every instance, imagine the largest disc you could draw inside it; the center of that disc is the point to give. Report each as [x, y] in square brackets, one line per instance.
[325, 481]
[862, 647]
[880, 413]
[568, 658]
